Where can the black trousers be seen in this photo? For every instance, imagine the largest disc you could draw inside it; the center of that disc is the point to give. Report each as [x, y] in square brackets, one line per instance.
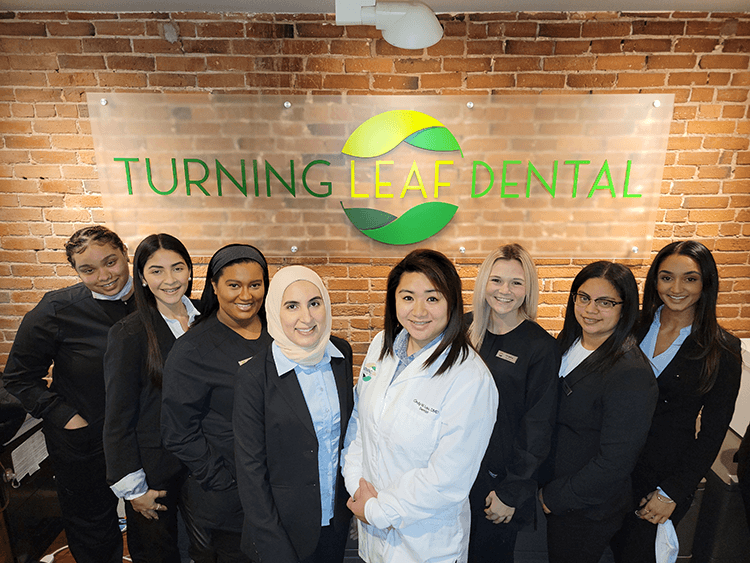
[216, 520]
[89, 507]
[331, 546]
[635, 541]
[488, 542]
[156, 541]
[573, 538]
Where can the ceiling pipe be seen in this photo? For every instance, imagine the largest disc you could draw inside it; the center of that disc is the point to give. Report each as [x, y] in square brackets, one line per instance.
[407, 25]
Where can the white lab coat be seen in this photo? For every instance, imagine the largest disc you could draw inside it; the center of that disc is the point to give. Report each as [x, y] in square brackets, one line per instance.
[419, 441]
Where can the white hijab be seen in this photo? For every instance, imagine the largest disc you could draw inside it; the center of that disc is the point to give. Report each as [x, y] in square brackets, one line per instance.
[276, 288]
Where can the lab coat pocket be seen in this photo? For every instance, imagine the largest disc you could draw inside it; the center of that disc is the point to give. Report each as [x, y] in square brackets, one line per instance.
[419, 433]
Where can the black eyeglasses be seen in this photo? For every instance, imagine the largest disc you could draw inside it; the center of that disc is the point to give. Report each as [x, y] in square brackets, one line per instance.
[601, 303]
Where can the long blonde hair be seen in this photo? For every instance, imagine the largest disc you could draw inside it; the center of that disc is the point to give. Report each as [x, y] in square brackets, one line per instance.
[481, 308]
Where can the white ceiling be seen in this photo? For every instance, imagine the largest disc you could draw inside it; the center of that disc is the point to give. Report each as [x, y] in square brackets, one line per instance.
[328, 6]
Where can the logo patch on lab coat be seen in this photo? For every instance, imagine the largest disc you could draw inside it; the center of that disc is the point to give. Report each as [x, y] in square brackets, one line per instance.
[368, 372]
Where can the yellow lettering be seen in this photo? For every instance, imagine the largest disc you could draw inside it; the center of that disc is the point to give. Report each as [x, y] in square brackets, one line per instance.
[407, 185]
[354, 194]
[378, 183]
[438, 183]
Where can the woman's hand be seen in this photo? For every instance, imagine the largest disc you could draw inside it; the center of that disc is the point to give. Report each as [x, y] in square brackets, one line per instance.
[146, 504]
[357, 503]
[544, 506]
[655, 508]
[497, 511]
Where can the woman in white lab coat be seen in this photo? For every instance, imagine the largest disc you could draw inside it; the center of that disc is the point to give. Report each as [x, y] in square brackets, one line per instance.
[424, 410]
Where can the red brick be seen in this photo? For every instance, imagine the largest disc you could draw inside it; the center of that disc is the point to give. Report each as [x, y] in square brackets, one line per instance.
[97, 45]
[156, 46]
[255, 47]
[81, 62]
[439, 81]
[268, 80]
[606, 46]
[687, 78]
[71, 29]
[569, 63]
[732, 95]
[350, 47]
[365, 65]
[25, 29]
[443, 48]
[670, 61]
[739, 62]
[346, 82]
[279, 64]
[559, 30]
[637, 80]
[194, 64]
[26, 141]
[592, 80]
[220, 80]
[24, 78]
[362, 32]
[120, 28]
[572, 47]
[490, 81]
[711, 127]
[650, 27]
[620, 62]
[263, 30]
[407, 66]
[542, 81]
[488, 47]
[606, 29]
[741, 79]
[214, 63]
[512, 29]
[304, 47]
[698, 158]
[134, 80]
[393, 82]
[214, 30]
[454, 28]
[467, 64]
[327, 65]
[736, 46]
[319, 30]
[31, 62]
[517, 64]
[131, 62]
[213, 46]
[647, 45]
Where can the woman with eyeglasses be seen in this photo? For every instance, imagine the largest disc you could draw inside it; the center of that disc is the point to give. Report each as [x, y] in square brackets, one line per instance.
[607, 396]
[698, 367]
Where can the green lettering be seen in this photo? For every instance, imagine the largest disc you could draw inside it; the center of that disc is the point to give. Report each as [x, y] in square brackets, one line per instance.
[474, 179]
[596, 186]
[576, 164]
[503, 183]
[627, 182]
[221, 170]
[324, 184]
[186, 164]
[174, 178]
[545, 185]
[127, 162]
[290, 187]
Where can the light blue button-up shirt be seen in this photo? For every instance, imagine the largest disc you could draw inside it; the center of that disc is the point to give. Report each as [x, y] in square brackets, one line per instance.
[648, 344]
[400, 345]
[321, 395]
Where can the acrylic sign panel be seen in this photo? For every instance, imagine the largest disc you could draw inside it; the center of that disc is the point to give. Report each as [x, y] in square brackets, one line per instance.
[363, 176]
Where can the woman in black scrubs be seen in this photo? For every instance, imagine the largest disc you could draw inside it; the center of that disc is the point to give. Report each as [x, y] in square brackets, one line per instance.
[698, 367]
[524, 360]
[607, 396]
[291, 408]
[68, 331]
[140, 469]
[198, 392]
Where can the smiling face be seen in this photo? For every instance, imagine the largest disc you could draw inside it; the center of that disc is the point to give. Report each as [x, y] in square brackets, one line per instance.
[679, 283]
[303, 313]
[239, 291]
[505, 291]
[420, 309]
[102, 268]
[166, 274]
[597, 323]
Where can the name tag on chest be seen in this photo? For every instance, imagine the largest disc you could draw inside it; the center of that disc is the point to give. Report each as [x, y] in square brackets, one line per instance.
[507, 357]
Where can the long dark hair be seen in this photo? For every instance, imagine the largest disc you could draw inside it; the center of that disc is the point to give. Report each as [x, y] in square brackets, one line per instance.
[443, 276]
[146, 302]
[228, 256]
[710, 338]
[622, 338]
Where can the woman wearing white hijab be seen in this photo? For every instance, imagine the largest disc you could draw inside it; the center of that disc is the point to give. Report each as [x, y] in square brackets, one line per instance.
[292, 405]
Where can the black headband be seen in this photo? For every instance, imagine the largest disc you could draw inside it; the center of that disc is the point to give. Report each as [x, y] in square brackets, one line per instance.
[233, 253]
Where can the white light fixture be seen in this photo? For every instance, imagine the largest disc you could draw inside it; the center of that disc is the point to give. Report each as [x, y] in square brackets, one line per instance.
[407, 25]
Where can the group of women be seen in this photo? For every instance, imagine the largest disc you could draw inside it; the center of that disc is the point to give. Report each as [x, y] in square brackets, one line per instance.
[239, 411]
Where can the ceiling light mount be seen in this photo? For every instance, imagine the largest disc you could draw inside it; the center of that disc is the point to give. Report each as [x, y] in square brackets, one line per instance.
[407, 25]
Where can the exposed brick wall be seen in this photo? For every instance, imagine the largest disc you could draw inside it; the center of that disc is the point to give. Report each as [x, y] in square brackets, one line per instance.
[48, 177]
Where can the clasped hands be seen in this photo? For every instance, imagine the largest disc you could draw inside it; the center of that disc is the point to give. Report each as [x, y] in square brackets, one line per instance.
[497, 511]
[357, 502]
[654, 510]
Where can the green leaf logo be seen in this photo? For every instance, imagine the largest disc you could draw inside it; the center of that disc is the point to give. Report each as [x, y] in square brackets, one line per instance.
[385, 131]
[417, 224]
[381, 134]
